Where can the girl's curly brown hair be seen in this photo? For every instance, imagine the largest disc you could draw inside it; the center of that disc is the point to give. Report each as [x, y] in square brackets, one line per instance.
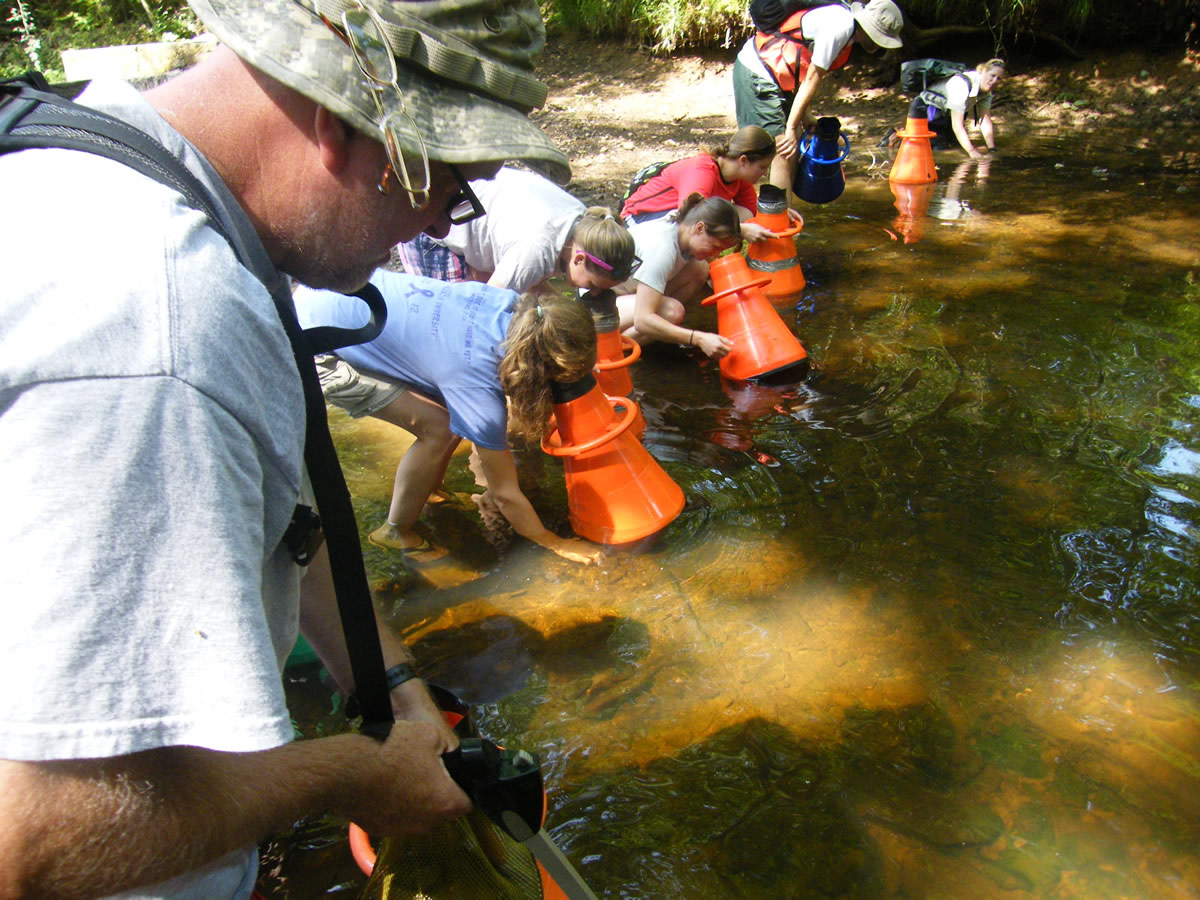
[550, 338]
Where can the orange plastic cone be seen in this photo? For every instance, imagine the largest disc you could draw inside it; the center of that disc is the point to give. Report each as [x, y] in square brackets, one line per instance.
[776, 257]
[616, 491]
[612, 363]
[762, 344]
[914, 159]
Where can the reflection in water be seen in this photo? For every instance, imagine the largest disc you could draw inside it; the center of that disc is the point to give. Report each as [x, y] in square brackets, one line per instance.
[917, 203]
[928, 624]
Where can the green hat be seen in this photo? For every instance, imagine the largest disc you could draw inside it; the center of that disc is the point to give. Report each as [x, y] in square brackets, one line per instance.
[464, 69]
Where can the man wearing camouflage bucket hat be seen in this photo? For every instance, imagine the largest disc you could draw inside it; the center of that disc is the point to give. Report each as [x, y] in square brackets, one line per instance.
[152, 428]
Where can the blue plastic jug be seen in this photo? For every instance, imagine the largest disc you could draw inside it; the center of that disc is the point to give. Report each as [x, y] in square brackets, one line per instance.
[819, 177]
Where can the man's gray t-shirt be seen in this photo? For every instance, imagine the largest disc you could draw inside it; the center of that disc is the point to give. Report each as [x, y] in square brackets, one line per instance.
[151, 438]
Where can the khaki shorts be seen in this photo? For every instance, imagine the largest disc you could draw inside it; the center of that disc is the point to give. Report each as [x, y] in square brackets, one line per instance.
[758, 101]
[358, 393]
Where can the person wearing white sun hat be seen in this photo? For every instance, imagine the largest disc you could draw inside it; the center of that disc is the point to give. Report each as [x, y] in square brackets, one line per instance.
[776, 75]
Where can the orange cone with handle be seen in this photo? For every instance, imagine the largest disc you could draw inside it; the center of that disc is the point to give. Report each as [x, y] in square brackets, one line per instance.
[612, 347]
[914, 159]
[615, 352]
[616, 491]
[762, 344]
[776, 257]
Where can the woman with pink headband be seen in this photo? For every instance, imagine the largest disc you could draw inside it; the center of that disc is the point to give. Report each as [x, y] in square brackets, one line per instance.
[532, 231]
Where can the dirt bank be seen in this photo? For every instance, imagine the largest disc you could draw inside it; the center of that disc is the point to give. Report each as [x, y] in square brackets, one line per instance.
[614, 109]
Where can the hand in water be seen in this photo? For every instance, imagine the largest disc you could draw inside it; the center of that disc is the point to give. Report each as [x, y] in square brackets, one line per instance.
[713, 345]
[577, 550]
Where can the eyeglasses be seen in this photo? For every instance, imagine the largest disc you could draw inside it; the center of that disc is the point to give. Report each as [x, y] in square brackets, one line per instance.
[619, 275]
[363, 31]
[464, 206]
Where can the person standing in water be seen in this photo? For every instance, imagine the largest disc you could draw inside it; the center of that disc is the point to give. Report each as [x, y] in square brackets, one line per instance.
[776, 76]
[456, 360]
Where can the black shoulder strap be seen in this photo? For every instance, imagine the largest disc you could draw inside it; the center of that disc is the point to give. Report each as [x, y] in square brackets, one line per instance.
[32, 116]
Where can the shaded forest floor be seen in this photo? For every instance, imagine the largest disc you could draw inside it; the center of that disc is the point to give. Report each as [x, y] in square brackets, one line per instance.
[614, 109]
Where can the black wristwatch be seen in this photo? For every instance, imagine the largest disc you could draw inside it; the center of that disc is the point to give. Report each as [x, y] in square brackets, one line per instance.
[395, 676]
[398, 674]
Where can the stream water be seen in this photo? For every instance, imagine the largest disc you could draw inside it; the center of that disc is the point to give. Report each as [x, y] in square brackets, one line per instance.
[928, 626]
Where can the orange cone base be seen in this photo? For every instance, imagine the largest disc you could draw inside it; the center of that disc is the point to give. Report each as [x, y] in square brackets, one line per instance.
[914, 159]
[616, 491]
[620, 494]
[785, 283]
[762, 348]
[762, 343]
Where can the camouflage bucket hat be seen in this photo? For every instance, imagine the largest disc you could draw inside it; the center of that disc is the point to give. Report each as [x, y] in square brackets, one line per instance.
[464, 69]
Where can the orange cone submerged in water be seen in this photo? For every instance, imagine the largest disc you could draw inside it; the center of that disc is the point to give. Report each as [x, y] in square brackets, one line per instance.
[762, 343]
[616, 491]
[914, 159]
[776, 257]
[912, 204]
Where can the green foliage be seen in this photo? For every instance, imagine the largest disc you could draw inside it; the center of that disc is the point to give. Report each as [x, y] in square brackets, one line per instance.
[681, 24]
[33, 35]
[601, 18]
[662, 24]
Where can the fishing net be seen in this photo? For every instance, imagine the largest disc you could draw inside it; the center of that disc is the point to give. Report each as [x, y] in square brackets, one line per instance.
[469, 859]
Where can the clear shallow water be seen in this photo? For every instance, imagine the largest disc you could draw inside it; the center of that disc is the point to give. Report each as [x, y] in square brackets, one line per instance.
[928, 626]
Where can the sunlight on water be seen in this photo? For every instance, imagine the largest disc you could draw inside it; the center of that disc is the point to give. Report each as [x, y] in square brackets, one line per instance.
[928, 626]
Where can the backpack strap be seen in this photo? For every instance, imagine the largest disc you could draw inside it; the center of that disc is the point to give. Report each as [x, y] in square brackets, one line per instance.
[34, 117]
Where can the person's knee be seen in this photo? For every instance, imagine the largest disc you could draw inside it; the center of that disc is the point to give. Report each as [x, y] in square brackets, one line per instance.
[626, 310]
[435, 438]
[671, 310]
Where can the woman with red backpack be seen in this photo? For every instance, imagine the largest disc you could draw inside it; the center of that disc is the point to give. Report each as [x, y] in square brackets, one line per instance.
[729, 171]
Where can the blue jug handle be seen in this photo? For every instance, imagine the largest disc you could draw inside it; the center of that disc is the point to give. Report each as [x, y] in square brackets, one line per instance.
[806, 149]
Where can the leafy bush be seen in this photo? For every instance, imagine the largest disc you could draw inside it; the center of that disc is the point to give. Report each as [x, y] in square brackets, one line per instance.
[662, 24]
[680, 24]
[33, 36]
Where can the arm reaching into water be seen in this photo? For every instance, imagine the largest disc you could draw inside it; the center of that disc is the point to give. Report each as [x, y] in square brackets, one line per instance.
[649, 324]
[500, 472]
[959, 124]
